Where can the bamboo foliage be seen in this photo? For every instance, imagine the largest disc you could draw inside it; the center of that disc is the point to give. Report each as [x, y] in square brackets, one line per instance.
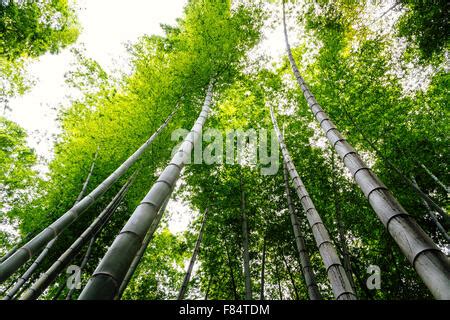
[22, 255]
[50, 275]
[308, 273]
[337, 276]
[106, 279]
[429, 262]
[187, 276]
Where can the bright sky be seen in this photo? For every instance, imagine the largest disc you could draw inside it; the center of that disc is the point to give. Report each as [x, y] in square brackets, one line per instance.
[106, 26]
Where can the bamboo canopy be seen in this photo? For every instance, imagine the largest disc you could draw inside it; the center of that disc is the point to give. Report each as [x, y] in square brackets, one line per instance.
[278, 218]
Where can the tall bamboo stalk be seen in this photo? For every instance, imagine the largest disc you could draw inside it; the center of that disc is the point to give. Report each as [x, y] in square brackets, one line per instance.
[433, 215]
[29, 272]
[51, 274]
[246, 255]
[230, 266]
[140, 253]
[106, 280]
[263, 265]
[430, 263]
[22, 255]
[340, 226]
[308, 273]
[187, 276]
[288, 269]
[436, 179]
[335, 271]
[277, 275]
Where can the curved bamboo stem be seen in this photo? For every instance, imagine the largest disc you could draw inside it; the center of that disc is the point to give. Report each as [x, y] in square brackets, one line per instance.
[22, 255]
[140, 253]
[106, 280]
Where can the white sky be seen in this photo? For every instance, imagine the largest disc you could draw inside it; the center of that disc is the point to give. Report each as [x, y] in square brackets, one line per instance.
[106, 26]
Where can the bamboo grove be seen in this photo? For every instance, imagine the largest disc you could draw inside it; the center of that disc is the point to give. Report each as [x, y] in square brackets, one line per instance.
[360, 153]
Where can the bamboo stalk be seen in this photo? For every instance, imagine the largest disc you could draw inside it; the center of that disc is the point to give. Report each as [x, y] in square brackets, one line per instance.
[29, 272]
[106, 280]
[335, 271]
[308, 273]
[291, 278]
[230, 266]
[340, 227]
[36, 263]
[433, 215]
[246, 255]
[436, 179]
[140, 253]
[83, 264]
[187, 276]
[51, 274]
[22, 255]
[430, 263]
[263, 264]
